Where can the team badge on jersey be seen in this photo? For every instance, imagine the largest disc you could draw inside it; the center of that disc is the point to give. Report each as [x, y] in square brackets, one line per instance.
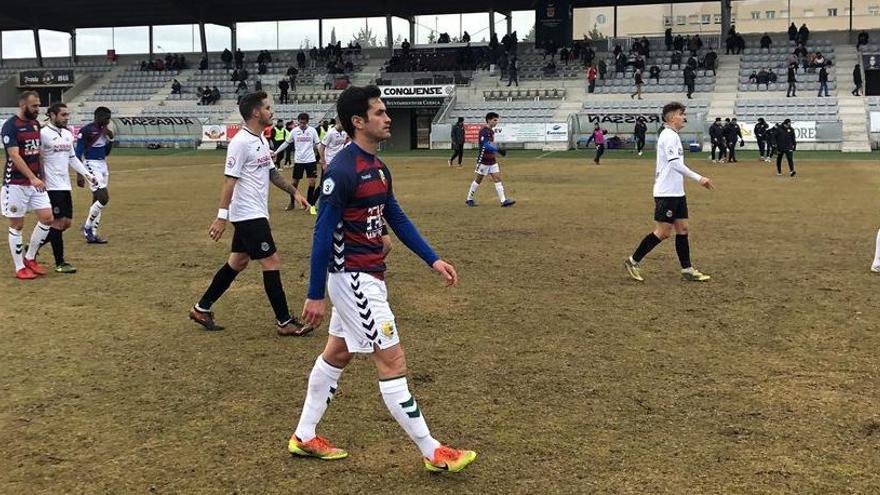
[328, 185]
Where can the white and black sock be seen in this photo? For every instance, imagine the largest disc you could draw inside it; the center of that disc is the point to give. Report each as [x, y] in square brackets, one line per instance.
[472, 191]
[94, 217]
[322, 386]
[403, 407]
[15, 248]
[38, 236]
[499, 189]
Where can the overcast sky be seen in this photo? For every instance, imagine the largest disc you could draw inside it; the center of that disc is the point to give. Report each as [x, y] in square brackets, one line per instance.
[251, 36]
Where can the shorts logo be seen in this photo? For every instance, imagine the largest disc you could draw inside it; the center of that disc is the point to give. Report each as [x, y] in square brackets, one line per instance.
[264, 246]
[668, 213]
[56, 210]
[388, 329]
[5, 139]
[328, 186]
[13, 208]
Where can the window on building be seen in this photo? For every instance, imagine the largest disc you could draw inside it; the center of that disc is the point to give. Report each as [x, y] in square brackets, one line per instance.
[756, 15]
[707, 19]
[770, 14]
[783, 13]
[716, 18]
[832, 12]
[808, 13]
[874, 9]
[694, 19]
[667, 21]
[681, 20]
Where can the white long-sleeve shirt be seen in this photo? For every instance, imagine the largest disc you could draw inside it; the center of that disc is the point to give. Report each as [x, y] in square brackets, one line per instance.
[671, 170]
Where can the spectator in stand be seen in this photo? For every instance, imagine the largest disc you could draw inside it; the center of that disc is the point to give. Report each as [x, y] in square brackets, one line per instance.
[465, 38]
[176, 87]
[676, 59]
[637, 79]
[823, 81]
[772, 77]
[667, 38]
[283, 88]
[620, 63]
[692, 62]
[203, 63]
[819, 60]
[240, 91]
[792, 82]
[215, 95]
[200, 94]
[328, 81]
[617, 50]
[549, 69]
[753, 77]
[678, 43]
[792, 60]
[863, 40]
[639, 64]
[763, 77]
[690, 80]
[692, 46]
[740, 43]
[563, 55]
[589, 55]
[234, 76]
[654, 73]
[262, 68]
[244, 75]
[792, 32]
[592, 74]
[710, 61]
[603, 69]
[300, 59]
[857, 80]
[803, 34]
[766, 42]
[226, 58]
[645, 47]
[239, 58]
[730, 44]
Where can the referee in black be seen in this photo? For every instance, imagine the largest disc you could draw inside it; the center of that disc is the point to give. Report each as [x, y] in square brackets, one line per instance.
[785, 145]
[457, 138]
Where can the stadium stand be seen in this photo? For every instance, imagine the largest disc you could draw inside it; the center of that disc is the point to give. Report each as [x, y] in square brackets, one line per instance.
[754, 59]
[641, 107]
[510, 111]
[778, 109]
[133, 85]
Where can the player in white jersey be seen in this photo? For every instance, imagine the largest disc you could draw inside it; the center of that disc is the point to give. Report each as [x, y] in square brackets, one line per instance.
[670, 202]
[333, 142]
[58, 156]
[245, 202]
[305, 141]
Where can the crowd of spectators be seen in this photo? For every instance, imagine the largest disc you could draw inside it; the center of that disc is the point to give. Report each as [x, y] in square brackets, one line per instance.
[171, 62]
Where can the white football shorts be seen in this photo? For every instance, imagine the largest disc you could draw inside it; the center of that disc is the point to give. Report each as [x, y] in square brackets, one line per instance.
[16, 200]
[99, 169]
[361, 314]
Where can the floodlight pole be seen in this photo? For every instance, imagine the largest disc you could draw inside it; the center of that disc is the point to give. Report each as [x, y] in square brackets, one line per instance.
[73, 57]
[389, 38]
[233, 36]
[203, 39]
[150, 36]
[491, 23]
[1, 48]
[38, 47]
[412, 29]
[320, 33]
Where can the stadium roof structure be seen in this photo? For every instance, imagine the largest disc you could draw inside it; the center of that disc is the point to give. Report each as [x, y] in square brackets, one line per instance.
[66, 15]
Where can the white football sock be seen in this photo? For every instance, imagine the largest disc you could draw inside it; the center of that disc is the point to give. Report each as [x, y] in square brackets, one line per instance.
[472, 191]
[15, 248]
[403, 407]
[94, 215]
[499, 188]
[37, 237]
[877, 251]
[322, 387]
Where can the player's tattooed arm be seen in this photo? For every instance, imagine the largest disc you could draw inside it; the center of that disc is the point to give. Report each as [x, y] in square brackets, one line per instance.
[279, 182]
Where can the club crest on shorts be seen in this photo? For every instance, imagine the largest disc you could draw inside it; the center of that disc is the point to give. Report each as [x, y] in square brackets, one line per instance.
[668, 213]
[13, 208]
[264, 246]
[388, 329]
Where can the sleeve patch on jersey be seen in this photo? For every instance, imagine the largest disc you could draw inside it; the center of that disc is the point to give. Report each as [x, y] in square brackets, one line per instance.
[5, 139]
[328, 186]
[230, 162]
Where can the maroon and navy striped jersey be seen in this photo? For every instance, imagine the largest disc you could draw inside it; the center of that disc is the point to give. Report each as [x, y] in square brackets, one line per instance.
[24, 135]
[359, 184]
[486, 157]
